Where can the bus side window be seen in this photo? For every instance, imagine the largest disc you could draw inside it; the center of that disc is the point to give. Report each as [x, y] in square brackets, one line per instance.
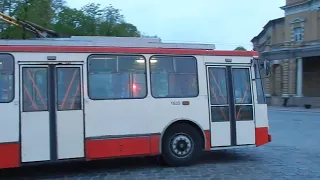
[6, 78]
[173, 76]
[117, 77]
[259, 85]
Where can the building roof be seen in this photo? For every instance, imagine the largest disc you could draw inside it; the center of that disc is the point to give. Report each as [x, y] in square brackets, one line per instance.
[295, 4]
[265, 27]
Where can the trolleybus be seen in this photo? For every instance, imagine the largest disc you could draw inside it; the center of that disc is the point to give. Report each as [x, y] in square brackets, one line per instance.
[91, 98]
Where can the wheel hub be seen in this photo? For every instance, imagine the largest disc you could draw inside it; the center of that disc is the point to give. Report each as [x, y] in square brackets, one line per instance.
[181, 145]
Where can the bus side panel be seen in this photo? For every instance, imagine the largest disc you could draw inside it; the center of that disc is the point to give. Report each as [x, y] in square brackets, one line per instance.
[262, 125]
[134, 126]
[139, 127]
[9, 128]
[261, 114]
[9, 155]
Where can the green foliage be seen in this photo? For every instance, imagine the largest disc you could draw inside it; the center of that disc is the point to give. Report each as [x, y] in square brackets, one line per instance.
[90, 20]
[240, 48]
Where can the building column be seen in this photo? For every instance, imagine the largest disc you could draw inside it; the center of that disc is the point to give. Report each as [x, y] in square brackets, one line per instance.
[299, 77]
[285, 78]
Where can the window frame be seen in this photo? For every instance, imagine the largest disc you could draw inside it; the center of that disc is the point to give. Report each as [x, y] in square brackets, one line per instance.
[58, 109]
[111, 54]
[249, 83]
[13, 77]
[239, 106]
[258, 79]
[297, 33]
[23, 107]
[174, 56]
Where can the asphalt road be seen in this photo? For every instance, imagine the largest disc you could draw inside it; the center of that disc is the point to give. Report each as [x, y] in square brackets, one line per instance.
[293, 154]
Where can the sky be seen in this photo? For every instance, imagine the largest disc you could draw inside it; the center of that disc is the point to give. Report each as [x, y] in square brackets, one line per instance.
[225, 23]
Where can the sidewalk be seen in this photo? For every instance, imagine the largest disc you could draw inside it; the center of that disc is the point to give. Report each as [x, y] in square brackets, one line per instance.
[294, 109]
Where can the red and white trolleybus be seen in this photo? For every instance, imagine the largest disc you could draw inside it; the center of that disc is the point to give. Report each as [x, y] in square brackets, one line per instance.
[96, 98]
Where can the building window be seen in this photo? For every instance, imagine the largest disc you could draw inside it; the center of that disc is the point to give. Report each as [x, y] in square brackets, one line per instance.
[117, 77]
[298, 34]
[6, 78]
[173, 76]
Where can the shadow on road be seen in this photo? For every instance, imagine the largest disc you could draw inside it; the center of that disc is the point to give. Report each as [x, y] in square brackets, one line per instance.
[111, 166]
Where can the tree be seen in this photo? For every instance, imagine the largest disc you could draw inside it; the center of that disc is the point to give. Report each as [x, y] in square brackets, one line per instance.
[90, 20]
[240, 48]
[70, 22]
[38, 12]
[58, 5]
[7, 7]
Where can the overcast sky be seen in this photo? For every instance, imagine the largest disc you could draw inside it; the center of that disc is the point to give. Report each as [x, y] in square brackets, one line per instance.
[225, 23]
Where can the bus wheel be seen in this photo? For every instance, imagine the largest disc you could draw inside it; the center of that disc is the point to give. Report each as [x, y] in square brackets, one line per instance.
[181, 145]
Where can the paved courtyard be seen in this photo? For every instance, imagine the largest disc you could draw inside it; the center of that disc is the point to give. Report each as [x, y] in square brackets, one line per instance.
[293, 154]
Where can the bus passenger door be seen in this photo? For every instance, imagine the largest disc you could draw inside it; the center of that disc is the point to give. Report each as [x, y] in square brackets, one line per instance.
[34, 113]
[69, 112]
[51, 115]
[243, 105]
[230, 106]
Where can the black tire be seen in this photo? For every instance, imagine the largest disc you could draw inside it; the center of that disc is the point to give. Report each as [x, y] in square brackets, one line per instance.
[188, 144]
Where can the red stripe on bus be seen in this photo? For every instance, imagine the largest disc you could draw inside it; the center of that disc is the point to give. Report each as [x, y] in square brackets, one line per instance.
[262, 136]
[155, 144]
[208, 140]
[122, 147]
[92, 49]
[9, 155]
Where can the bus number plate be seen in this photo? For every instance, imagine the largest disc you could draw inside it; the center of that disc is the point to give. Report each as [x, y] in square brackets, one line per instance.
[175, 103]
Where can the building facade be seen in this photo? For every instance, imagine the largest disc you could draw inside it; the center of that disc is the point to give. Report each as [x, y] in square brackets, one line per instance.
[292, 44]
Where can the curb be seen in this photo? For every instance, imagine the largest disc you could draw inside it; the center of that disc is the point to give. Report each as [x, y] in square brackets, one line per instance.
[294, 110]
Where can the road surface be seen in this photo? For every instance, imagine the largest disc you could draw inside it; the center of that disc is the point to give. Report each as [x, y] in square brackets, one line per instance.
[293, 154]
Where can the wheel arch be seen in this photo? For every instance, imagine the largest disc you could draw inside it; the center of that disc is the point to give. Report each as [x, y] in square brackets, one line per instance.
[183, 121]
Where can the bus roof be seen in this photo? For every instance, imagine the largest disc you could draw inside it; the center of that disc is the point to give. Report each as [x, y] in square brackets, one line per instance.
[97, 44]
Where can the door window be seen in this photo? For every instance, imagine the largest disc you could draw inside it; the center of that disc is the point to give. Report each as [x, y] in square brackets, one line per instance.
[218, 94]
[242, 93]
[69, 88]
[35, 89]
